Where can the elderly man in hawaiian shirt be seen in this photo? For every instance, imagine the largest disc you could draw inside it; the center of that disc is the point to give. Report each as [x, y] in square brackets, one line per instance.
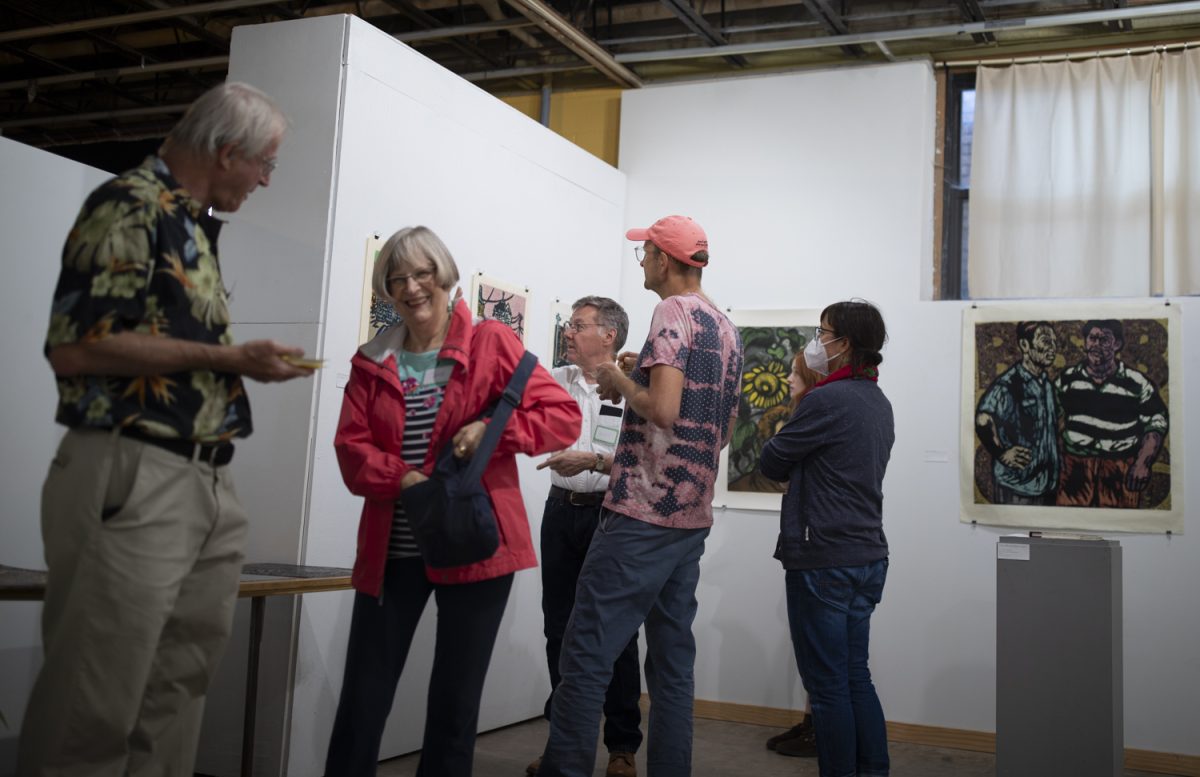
[143, 532]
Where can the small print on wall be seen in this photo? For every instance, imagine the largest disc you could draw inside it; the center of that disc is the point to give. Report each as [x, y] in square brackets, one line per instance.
[1067, 417]
[560, 316]
[500, 301]
[771, 339]
[376, 313]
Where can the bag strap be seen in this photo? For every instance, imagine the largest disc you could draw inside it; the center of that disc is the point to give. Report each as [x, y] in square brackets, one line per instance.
[509, 401]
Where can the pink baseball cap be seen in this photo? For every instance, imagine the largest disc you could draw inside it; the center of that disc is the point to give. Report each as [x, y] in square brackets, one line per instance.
[678, 236]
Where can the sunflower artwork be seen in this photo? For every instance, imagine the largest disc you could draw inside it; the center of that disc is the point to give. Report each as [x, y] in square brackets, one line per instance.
[770, 341]
[764, 405]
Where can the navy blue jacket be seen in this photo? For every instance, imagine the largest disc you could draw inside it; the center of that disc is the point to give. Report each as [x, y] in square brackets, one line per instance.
[833, 453]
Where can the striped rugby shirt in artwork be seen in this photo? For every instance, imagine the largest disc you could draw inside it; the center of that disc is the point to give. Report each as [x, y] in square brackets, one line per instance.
[1108, 418]
[423, 378]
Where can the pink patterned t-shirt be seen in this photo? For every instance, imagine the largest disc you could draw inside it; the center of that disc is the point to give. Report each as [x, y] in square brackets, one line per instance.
[666, 476]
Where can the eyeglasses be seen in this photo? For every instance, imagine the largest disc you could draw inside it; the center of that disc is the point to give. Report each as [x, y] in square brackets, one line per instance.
[821, 332]
[641, 254]
[268, 165]
[420, 276]
[577, 326]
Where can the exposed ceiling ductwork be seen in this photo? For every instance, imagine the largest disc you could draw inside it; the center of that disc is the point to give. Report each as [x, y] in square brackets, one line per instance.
[83, 71]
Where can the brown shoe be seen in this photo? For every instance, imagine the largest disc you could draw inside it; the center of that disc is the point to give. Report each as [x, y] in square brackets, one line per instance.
[803, 746]
[798, 730]
[621, 765]
[532, 769]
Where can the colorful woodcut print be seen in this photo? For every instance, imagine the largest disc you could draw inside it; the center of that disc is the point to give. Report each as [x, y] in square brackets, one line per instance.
[503, 302]
[560, 315]
[1071, 417]
[376, 313]
[765, 404]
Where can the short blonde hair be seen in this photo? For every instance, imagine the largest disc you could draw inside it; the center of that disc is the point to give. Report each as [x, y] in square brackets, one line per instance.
[404, 250]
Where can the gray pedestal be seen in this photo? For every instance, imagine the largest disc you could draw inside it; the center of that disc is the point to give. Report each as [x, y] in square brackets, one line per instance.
[1059, 703]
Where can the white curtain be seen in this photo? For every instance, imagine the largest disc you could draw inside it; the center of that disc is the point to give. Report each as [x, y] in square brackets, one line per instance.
[1082, 177]
[1180, 194]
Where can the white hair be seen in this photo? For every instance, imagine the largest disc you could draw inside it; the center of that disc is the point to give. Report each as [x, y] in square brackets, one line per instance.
[232, 113]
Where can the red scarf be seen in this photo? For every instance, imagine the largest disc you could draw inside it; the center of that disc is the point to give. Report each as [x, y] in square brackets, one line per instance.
[850, 372]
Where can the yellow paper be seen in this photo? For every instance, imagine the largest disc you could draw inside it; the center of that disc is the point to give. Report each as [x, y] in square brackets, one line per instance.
[303, 361]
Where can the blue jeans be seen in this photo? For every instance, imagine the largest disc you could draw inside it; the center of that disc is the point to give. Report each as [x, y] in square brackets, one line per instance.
[567, 532]
[829, 612]
[634, 573]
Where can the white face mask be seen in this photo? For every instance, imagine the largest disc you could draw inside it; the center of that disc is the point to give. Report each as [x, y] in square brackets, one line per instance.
[815, 356]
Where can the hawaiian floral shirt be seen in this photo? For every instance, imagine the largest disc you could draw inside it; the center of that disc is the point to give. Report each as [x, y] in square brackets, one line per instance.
[142, 257]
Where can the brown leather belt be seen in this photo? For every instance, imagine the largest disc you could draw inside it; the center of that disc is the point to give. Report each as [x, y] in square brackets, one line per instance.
[578, 498]
[217, 454]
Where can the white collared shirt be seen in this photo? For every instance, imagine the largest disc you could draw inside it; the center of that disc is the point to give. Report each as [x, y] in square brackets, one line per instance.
[600, 429]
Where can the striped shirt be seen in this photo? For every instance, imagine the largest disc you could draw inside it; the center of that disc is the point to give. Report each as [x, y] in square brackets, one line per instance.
[1108, 418]
[423, 378]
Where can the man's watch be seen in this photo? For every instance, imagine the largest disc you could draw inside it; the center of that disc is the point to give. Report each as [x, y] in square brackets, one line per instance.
[599, 465]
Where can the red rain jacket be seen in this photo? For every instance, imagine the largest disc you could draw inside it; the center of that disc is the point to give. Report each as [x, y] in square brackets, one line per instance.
[371, 429]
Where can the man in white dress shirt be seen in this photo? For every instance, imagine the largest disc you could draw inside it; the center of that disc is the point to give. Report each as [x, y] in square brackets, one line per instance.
[579, 479]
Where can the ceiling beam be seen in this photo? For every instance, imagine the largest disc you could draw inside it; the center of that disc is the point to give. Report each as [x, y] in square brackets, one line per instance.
[43, 121]
[477, 28]
[191, 25]
[429, 22]
[579, 44]
[106, 22]
[1119, 25]
[133, 70]
[947, 31]
[833, 23]
[973, 13]
[695, 22]
[523, 72]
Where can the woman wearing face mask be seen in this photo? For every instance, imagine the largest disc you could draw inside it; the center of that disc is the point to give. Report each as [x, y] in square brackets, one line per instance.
[799, 740]
[833, 453]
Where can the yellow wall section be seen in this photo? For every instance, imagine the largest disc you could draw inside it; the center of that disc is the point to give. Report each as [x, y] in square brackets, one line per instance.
[591, 119]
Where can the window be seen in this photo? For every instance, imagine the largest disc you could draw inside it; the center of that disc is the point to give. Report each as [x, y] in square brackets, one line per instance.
[956, 184]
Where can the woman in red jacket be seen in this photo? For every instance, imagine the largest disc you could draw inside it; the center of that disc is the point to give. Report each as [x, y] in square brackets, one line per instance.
[414, 388]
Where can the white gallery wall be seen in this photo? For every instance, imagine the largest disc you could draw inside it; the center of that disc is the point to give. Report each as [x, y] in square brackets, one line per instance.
[383, 138]
[816, 187]
[41, 195]
[813, 187]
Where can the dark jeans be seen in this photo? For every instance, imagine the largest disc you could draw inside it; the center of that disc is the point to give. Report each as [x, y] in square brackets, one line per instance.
[829, 611]
[566, 535]
[381, 631]
[635, 572]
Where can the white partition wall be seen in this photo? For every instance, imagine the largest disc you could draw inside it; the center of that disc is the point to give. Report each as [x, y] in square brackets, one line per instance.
[816, 187]
[42, 194]
[383, 138]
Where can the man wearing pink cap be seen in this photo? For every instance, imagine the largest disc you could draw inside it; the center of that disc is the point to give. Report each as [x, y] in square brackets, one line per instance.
[644, 561]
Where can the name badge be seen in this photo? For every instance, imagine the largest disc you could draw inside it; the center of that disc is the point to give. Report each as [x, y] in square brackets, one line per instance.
[606, 434]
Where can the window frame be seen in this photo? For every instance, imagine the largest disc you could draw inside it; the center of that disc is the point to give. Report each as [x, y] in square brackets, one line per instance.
[955, 197]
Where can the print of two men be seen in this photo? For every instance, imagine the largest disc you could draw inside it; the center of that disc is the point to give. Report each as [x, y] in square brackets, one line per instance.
[1086, 438]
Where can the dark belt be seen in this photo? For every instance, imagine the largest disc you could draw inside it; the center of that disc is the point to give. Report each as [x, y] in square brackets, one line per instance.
[578, 498]
[217, 454]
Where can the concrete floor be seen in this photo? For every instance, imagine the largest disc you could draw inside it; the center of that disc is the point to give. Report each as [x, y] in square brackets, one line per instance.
[721, 750]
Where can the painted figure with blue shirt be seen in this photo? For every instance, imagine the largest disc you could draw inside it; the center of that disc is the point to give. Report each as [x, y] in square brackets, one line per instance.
[1017, 422]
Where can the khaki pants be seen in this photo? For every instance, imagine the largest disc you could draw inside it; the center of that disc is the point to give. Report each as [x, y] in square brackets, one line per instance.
[144, 549]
